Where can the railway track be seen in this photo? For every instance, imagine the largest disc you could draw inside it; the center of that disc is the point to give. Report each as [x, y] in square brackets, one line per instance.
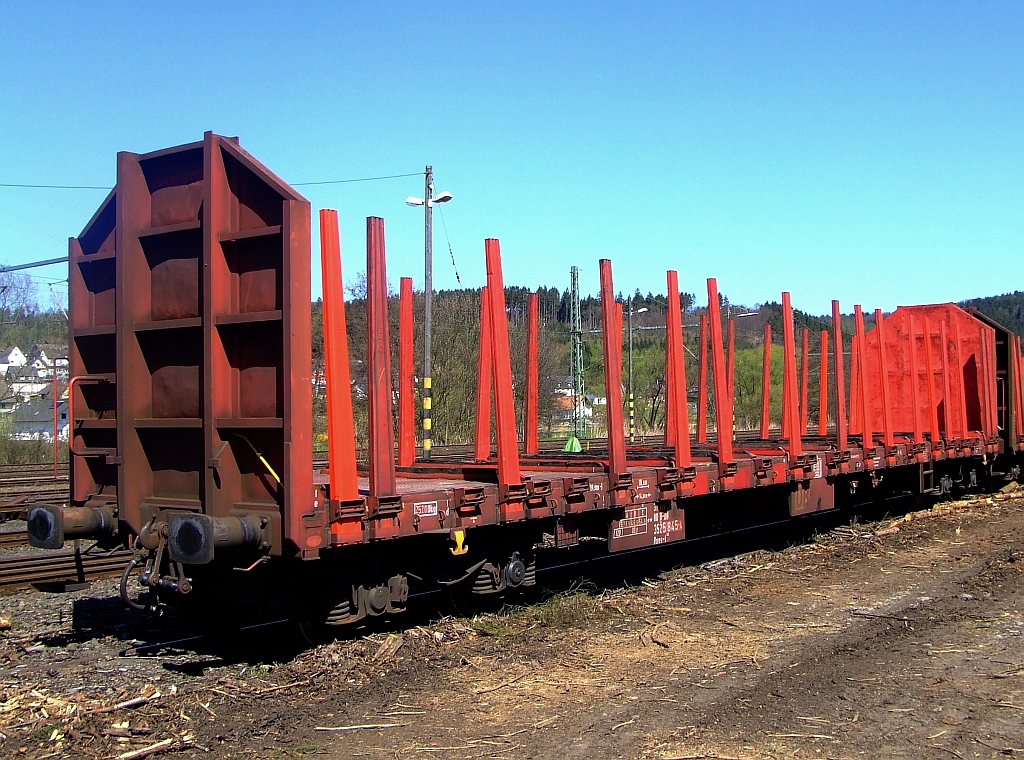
[25, 570]
[13, 538]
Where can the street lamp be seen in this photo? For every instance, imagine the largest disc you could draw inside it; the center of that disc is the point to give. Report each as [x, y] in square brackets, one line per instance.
[427, 202]
[632, 421]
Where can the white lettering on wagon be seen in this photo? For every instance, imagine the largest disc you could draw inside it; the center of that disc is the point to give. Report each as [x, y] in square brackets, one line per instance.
[425, 509]
[643, 489]
[633, 523]
[665, 526]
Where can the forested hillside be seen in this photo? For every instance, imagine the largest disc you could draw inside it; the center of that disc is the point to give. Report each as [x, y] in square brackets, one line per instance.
[1007, 309]
[456, 337]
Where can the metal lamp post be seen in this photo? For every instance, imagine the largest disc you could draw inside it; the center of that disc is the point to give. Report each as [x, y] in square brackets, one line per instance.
[427, 202]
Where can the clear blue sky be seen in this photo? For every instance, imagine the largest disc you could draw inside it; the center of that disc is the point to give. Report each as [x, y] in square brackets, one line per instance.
[871, 152]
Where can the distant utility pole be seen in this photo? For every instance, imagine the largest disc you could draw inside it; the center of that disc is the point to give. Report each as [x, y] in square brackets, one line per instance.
[428, 297]
[427, 201]
[632, 419]
[576, 350]
[632, 410]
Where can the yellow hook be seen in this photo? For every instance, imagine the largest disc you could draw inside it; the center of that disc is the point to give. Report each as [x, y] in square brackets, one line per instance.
[460, 548]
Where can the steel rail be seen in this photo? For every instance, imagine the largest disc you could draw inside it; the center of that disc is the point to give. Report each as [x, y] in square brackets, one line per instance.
[14, 538]
[27, 569]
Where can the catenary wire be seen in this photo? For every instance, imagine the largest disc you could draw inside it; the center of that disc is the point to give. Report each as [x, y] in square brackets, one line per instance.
[444, 224]
[294, 184]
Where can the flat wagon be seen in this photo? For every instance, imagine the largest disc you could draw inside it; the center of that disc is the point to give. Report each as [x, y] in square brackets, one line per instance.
[191, 437]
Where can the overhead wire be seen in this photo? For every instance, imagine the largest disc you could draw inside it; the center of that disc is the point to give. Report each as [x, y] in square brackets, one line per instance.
[358, 179]
[54, 187]
[444, 224]
[294, 184]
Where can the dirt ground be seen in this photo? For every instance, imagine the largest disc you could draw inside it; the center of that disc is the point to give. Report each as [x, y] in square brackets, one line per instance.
[900, 638]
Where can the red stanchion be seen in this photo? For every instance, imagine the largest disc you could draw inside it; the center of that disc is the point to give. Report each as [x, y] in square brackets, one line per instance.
[766, 381]
[531, 442]
[482, 450]
[341, 433]
[378, 365]
[839, 379]
[406, 396]
[504, 401]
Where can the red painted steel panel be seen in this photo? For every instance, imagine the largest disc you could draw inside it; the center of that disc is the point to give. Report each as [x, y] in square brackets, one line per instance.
[993, 392]
[484, 371]
[92, 350]
[1018, 384]
[189, 299]
[341, 432]
[612, 338]
[378, 365]
[839, 379]
[993, 363]
[531, 441]
[812, 495]
[504, 401]
[406, 396]
[933, 404]
[677, 372]
[766, 381]
[948, 413]
[971, 401]
[723, 419]
[958, 354]
[702, 380]
[915, 381]
[134, 383]
[1018, 380]
[982, 374]
[296, 368]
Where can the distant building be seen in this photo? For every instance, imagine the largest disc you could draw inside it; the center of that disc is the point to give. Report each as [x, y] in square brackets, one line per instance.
[563, 400]
[33, 421]
[12, 357]
[44, 358]
[24, 383]
[48, 355]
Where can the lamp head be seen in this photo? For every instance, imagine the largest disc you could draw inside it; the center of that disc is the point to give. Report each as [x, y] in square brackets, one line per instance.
[413, 201]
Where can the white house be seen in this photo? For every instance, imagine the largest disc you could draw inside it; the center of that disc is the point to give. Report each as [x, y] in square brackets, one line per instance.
[34, 420]
[25, 382]
[12, 357]
[45, 357]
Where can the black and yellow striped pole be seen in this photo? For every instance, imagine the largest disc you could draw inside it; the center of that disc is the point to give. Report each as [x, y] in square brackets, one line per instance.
[427, 201]
[426, 418]
[428, 296]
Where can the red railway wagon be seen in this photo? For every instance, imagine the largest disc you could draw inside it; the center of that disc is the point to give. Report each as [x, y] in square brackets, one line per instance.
[190, 359]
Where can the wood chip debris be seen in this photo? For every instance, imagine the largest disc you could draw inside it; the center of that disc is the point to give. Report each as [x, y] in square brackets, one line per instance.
[152, 749]
[388, 648]
[361, 727]
[502, 685]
